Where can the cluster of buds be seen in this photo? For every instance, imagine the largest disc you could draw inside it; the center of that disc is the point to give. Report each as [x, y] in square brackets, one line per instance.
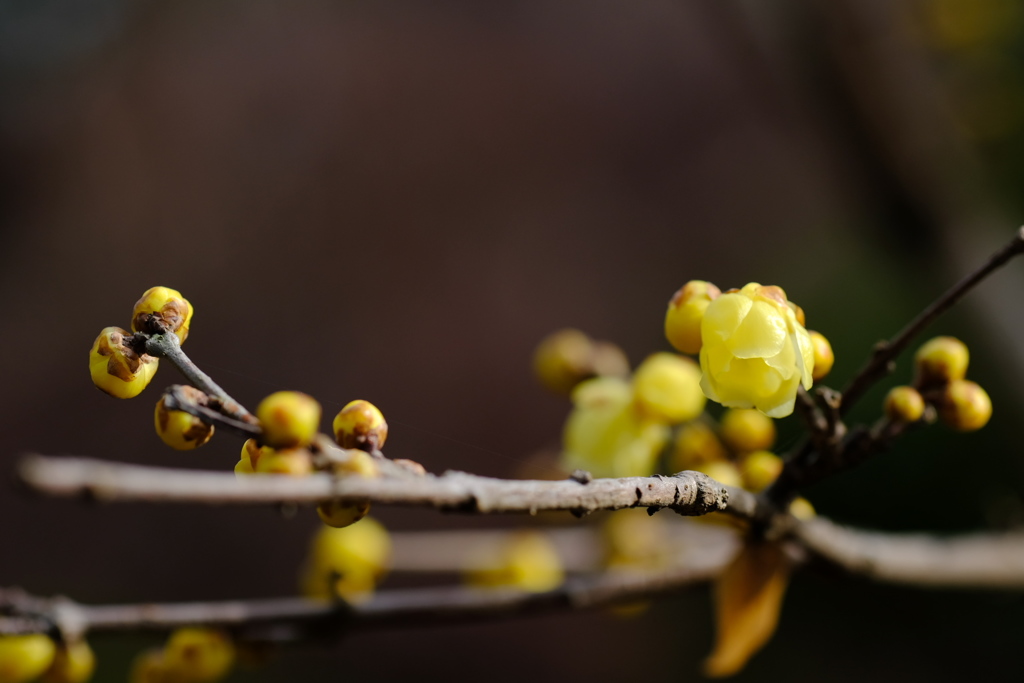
[940, 371]
[347, 562]
[618, 427]
[754, 349]
[35, 656]
[191, 655]
[527, 560]
[291, 421]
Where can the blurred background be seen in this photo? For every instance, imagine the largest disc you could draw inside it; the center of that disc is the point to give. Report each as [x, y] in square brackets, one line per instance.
[397, 201]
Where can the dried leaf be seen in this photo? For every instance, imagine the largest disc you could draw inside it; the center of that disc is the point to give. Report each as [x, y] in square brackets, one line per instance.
[748, 597]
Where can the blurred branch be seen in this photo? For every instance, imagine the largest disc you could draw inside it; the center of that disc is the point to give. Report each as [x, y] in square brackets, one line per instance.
[687, 493]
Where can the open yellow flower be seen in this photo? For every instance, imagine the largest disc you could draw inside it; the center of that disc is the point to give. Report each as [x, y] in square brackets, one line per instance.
[755, 353]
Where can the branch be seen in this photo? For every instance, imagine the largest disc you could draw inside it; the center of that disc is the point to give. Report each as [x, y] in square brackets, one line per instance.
[986, 560]
[687, 493]
[880, 363]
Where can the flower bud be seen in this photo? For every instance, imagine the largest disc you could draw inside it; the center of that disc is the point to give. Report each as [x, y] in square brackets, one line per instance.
[760, 469]
[965, 406]
[940, 360]
[696, 443]
[340, 515]
[116, 368]
[527, 561]
[667, 388]
[199, 654]
[824, 358]
[567, 357]
[25, 657]
[161, 310]
[295, 462]
[252, 451]
[347, 562]
[722, 471]
[685, 313]
[149, 667]
[178, 429]
[755, 353]
[360, 425]
[288, 418]
[904, 404]
[73, 663]
[802, 509]
[635, 539]
[746, 430]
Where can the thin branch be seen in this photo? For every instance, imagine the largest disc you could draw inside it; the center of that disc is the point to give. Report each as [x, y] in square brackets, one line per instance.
[687, 493]
[177, 399]
[984, 560]
[880, 363]
[168, 346]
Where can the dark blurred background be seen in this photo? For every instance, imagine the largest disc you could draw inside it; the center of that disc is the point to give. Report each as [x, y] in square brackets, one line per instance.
[396, 201]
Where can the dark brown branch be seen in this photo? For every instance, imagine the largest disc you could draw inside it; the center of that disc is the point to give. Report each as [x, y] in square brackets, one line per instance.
[880, 363]
[209, 412]
[687, 493]
[984, 560]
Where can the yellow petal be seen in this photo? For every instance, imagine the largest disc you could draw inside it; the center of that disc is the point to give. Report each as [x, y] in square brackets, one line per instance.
[761, 334]
[723, 316]
[748, 597]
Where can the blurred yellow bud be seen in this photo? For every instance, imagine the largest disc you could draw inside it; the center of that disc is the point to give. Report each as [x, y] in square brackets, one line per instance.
[354, 462]
[160, 310]
[755, 352]
[722, 471]
[567, 357]
[295, 462]
[940, 360]
[696, 443]
[252, 451]
[745, 430]
[759, 470]
[606, 435]
[244, 467]
[802, 509]
[288, 418]
[685, 313]
[527, 561]
[635, 539]
[824, 358]
[667, 388]
[347, 562]
[904, 404]
[73, 663]
[340, 515]
[23, 658]
[149, 667]
[965, 406]
[199, 655]
[360, 424]
[178, 429]
[116, 368]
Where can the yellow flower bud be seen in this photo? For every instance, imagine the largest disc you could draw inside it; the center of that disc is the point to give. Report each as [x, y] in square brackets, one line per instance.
[360, 425]
[74, 663]
[904, 404]
[696, 443]
[199, 654]
[965, 406]
[606, 434]
[746, 430]
[288, 418]
[244, 467]
[824, 358]
[941, 360]
[178, 429]
[116, 368]
[760, 469]
[340, 515]
[149, 667]
[755, 353]
[354, 462]
[252, 451]
[347, 562]
[802, 509]
[160, 310]
[23, 658]
[685, 313]
[567, 357]
[635, 539]
[722, 471]
[667, 388]
[527, 561]
[295, 462]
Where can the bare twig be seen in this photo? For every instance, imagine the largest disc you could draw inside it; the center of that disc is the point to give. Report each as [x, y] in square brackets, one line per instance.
[177, 399]
[687, 493]
[880, 363]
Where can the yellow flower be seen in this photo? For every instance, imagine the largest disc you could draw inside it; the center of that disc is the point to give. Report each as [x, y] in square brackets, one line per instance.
[288, 418]
[115, 366]
[23, 658]
[685, 312]
[667, 388]
[527, 561]
[162, 309]
[360, 424]
[198, 655]
[347, 562]
[755, 353]
[178, 429]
